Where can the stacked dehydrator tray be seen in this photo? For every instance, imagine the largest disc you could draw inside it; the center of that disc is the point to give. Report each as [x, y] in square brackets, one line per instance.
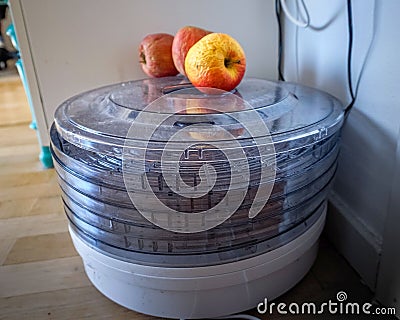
[142, 165]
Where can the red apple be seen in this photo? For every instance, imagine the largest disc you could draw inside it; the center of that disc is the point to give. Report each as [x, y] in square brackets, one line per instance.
[215, 61]
[156, 56]
[184, 39]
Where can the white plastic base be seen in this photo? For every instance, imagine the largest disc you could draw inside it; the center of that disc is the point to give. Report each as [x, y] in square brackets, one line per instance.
[201, 292]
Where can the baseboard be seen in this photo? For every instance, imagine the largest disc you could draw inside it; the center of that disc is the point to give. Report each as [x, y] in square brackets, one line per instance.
[360, 247]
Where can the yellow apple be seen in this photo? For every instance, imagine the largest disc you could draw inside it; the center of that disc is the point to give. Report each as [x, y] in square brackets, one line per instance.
[215, 61]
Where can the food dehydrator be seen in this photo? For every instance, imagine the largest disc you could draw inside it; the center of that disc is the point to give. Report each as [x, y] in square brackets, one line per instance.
[187, 203]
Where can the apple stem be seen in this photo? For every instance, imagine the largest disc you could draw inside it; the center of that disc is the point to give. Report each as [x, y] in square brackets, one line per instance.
[142, 58]
[228, 62]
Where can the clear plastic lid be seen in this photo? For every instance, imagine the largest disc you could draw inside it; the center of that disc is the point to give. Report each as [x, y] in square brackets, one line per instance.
[160, 109]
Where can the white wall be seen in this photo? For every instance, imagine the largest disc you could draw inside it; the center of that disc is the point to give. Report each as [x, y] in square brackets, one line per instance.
[388, 285]
[79, 45]
[316, 56]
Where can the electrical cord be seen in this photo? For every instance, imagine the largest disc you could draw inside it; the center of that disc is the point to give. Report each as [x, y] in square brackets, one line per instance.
[280, 44]
[301, 24]
[349, 58]
[282, 4]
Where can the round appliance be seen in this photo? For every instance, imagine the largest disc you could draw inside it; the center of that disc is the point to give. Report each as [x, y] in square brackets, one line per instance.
[177, 197]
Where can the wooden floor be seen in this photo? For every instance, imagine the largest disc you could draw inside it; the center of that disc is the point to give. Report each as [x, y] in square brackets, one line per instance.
[41, 275]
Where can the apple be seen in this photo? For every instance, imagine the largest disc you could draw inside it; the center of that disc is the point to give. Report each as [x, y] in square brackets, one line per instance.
[155, 55]
[215, 61]
[184, 39]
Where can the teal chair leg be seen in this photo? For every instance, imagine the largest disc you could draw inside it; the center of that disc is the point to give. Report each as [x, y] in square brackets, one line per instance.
[32, 125]
[45, 154]
[45, 157]
[21, 72]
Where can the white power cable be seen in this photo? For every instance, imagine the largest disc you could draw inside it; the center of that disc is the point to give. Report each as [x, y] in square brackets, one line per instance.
[306, 21]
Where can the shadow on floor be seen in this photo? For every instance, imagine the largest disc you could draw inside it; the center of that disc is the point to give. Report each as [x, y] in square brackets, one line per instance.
[330, 275]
